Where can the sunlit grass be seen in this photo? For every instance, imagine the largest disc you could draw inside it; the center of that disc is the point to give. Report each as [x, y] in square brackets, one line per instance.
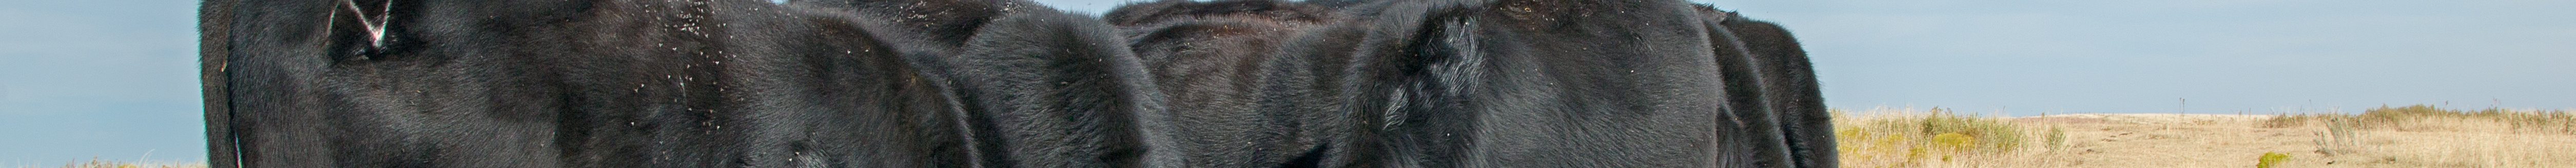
[1908, 137]
[2401, 136]
[2431, 118]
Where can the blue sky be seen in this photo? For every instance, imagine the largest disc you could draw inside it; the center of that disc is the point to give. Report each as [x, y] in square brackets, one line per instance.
[116, 79]
[2030, 56]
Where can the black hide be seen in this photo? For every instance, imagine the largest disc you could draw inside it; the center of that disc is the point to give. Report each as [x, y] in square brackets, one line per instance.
[1004, 83]
[1232, 105]
[1506, 83]
[683, 83]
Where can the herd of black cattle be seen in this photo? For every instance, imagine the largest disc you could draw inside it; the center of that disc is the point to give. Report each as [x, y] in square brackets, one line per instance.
[1004, 83]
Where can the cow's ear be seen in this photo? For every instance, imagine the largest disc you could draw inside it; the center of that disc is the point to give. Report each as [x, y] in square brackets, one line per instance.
[1416, 68]
[1422, 59]
[1448, 48]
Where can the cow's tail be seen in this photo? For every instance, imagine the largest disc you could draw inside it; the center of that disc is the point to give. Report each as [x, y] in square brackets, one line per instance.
[1779, 106]
[1787, 93]
[214, 26]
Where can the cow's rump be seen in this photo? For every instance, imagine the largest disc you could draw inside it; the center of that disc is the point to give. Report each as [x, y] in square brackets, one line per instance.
[1478, 84]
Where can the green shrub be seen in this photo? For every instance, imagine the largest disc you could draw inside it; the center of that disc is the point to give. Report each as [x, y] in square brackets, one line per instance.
[1955, 142]
[2271, 159]
[2056, 138]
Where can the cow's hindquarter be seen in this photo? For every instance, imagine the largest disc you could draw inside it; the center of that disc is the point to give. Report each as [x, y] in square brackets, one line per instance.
[1612, 84]
[1510, 83]
[1791, 90]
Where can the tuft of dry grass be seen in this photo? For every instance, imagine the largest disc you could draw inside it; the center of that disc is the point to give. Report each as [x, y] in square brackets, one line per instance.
[2290, 120]
[1908, 137]
[2056, 138]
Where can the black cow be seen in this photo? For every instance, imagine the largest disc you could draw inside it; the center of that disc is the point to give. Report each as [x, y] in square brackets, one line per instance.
[1504, 83]
[669, 83]
[1234, 107]
[1003, 83]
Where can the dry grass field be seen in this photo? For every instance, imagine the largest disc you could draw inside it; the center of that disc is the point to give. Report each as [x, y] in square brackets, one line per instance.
[2411, 136]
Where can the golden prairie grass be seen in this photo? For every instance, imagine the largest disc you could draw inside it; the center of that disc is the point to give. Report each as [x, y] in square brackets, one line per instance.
[2430, 118]
[2407, 136]
[2430, 136]
[1909, 137]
